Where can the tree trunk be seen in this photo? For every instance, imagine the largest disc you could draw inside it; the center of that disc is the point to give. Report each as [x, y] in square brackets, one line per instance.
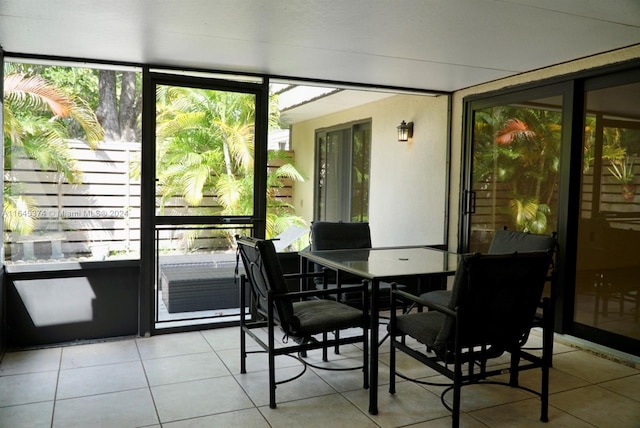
[128, 109]
[107, 111]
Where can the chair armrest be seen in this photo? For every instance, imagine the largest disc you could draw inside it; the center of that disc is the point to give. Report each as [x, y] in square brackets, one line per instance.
[318, 292]
[415, 299]
[302, 275]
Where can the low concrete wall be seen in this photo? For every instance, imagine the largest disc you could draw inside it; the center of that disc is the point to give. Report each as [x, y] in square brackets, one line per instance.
[71, 302]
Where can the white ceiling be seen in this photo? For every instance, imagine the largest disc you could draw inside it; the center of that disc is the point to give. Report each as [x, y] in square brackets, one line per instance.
[441, 45]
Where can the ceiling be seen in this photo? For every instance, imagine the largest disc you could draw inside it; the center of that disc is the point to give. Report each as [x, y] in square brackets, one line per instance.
[438, 45]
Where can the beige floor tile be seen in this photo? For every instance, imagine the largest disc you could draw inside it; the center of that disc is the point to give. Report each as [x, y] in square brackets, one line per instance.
[627, 386]
[343, 380]
[256, 385]
[483, 395]
[100, 379]
[192, 387]
[95, 354]
[184, 368]
[27, 388]
[251, 418]
[221, 339]
[169, 345]
[410, 405]
[525, 414]
[36, 415]
[199, 398]
[558, 381]
[120, 409]
[599, 406]
[321, 412]
[39, 360]
[589, 367]
[255, 361]
[466, 421]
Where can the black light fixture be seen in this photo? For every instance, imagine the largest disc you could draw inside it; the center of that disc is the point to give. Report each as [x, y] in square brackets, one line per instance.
[405, 131]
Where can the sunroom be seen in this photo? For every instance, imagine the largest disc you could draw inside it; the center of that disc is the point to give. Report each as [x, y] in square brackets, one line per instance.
[528, 149]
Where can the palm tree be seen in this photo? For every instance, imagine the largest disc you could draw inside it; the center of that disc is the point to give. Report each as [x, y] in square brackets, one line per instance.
[205, 147]
[34, 128]
[519, 147]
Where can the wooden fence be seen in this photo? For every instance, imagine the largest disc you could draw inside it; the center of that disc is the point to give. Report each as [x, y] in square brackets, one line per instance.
[102, 212]
[621, 211]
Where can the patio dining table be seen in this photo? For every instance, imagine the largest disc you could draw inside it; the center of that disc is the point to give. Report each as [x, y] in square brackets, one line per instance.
[383, 264]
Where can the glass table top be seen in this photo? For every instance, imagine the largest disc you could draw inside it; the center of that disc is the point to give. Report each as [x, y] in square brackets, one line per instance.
[386, 262]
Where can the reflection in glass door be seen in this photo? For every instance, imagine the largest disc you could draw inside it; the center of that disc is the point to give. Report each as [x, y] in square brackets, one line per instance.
[608, 262]
[515, 165]
[204, 196]
[342, 171]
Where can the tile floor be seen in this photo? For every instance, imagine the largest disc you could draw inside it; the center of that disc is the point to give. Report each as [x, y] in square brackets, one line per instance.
[192, 380]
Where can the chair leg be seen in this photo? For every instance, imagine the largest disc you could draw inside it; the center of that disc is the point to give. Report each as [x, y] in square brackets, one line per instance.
[272, 359]
[243, 351]
[515, 361]
[457, 393]
[325, 357]
[392, 366]
[365, 356]
[544, 410]
[243, 339]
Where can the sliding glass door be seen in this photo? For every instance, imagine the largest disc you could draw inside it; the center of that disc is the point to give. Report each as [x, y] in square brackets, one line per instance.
[342, 170]
[565, 158]
[607, 294]
[515, 159]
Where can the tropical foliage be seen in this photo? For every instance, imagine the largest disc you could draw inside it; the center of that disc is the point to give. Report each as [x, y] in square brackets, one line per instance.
[519, 148]
[37, 120]
[205, 149]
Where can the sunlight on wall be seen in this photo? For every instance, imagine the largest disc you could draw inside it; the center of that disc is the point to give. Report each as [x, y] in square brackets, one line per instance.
[57, 301]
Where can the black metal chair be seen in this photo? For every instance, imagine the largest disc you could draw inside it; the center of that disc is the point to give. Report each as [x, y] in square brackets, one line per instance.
[304, 319]
[326, 235]
[492, 307]
[504, 242]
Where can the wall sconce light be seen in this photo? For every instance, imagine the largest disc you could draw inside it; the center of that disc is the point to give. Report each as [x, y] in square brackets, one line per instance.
[405, 131]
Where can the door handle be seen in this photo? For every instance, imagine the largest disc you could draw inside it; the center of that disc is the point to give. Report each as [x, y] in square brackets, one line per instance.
[470, 197]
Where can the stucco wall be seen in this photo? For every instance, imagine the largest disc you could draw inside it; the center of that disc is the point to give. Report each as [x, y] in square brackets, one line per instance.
[408, 180]
[538, 75]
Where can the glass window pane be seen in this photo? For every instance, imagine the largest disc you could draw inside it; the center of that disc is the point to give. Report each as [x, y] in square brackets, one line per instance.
[516, 156]
[204, 152]
[72, 162]
[343, 173]
[608, 266]
[360, 173]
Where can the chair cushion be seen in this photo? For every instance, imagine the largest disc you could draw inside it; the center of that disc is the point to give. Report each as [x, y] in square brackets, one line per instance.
[318, 316]
[439, 297]
[422, 326]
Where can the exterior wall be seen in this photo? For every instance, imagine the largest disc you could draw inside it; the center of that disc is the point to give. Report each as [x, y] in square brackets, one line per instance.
[457, 120]
[408, 180]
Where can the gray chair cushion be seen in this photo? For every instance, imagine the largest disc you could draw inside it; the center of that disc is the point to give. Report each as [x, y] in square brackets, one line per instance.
[318, 316]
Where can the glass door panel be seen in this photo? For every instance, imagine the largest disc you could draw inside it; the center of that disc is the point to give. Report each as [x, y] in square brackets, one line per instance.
[204, 196]
[515, 164]
[608, 266]
[342, 169]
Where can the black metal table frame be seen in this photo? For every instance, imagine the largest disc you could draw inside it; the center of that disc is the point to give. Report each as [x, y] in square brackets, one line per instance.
[394, 264]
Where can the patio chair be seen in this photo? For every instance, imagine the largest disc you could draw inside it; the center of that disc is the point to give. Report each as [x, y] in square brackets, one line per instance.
[509, 241]
[305, 320]
[486, 316]
[327, 235]
[504, 242]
